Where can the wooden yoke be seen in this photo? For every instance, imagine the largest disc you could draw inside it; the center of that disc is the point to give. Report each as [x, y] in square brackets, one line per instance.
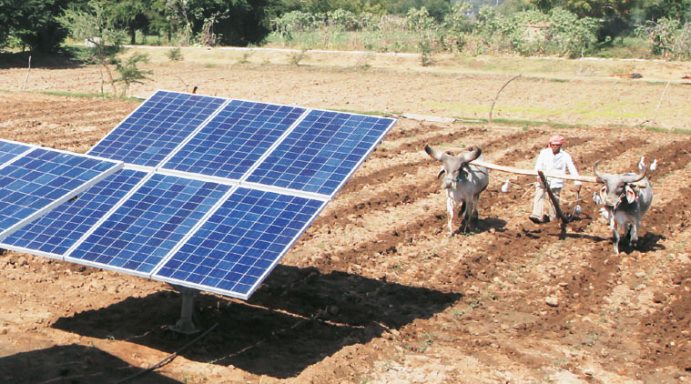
[530, 172]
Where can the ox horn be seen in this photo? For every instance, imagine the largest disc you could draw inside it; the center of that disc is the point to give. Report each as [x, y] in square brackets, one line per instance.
[637, 177]
[598, 176]
[472, 154]
[437, 155]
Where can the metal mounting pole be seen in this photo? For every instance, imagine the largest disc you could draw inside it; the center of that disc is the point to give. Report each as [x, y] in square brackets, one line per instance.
[186, 324]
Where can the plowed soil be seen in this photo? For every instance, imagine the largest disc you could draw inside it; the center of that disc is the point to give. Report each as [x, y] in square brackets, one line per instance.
[375, 291]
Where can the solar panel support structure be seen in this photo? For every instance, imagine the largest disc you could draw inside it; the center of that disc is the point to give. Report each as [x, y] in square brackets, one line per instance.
[185, 324]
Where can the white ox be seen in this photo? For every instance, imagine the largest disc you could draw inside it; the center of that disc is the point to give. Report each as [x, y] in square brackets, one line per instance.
[463, 183]
[626, 198]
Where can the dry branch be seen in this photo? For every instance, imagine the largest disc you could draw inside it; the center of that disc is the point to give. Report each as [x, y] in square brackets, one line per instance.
[497, 96]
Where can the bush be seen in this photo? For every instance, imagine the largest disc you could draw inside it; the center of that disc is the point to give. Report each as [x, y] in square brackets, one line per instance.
[296, 21]
[668, 38]
[174, 54]
[569, 35]
[343, 20]
[533, 32]
[419, 20]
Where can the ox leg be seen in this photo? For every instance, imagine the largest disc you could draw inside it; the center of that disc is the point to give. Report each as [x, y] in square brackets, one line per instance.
[476, 200]
[450, 205]
[461, 214]
[469, 216]
[633, 234]
[615, 239]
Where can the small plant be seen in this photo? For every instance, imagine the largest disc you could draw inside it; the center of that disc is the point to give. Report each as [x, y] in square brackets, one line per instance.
[130, 73]
[244, 59]
[297, 57]
[363, 66]
[425, 47]
[175, 54]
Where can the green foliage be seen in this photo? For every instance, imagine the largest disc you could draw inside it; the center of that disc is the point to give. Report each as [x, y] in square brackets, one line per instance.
[131, 15]
[437, 9]
[297, 57]
[668, 38]
[96, 24]
[295, 21]
[419, 20]
[658, 9]
[533, 32]
[425, 47]
[569, 35]
[130, 73]
[175, 54]
[343, 20]
[458, 19]
[30, 24]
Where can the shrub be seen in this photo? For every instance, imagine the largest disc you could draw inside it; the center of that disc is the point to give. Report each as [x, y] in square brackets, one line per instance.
[174, 54]
[668, 38]
[343, 20]
[569, 35]
[419, 20]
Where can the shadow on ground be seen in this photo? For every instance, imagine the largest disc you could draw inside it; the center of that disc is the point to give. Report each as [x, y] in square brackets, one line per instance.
[298, 317]
[74, 364]
[63, 60]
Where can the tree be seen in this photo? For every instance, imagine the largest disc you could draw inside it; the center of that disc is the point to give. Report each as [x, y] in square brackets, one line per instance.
[96, 24]
[32, 23]
[131, 15]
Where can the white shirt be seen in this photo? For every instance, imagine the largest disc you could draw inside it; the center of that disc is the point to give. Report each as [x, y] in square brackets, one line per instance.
[559, 163]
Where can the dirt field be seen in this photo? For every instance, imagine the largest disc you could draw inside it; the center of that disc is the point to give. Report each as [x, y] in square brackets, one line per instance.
[374, 291]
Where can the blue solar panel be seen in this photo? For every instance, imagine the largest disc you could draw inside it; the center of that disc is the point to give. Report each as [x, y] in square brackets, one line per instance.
[179, 229]
[42, 179]
[10, 150]
[241, 242]
[149, 224]
[235, 139]
[321, 152]
[58, 230]
[156, 128]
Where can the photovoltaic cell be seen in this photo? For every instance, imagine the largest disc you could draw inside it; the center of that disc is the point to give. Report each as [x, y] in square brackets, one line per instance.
[241, 242]
[321, 152]
[42, 178]
[235, 139]
[57, 231]
[149, 223]
[154, 129]
[10, 150]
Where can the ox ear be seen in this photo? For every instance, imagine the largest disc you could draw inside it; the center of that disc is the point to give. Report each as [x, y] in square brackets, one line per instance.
[631, 195]
[433, 153]
[441, 172]
[603, 194]
[597, 199]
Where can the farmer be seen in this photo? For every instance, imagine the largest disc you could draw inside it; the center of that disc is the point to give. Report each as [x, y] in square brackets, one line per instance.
[553, 160]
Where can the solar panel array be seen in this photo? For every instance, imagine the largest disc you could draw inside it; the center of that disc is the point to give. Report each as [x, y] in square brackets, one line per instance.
[212, 195]
[35, 180]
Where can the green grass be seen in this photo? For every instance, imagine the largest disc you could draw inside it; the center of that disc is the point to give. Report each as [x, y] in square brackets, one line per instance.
[625, 48]
[88, 95]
